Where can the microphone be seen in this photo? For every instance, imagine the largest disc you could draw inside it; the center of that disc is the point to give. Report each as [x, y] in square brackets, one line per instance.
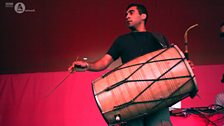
[186, 41]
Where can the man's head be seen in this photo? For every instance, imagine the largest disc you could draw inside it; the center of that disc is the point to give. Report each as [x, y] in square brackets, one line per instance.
[136, 14]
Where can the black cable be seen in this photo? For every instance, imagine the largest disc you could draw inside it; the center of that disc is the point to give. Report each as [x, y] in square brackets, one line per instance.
[195, 111]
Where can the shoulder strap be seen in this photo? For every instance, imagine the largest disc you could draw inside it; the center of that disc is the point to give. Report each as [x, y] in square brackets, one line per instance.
[161, 39]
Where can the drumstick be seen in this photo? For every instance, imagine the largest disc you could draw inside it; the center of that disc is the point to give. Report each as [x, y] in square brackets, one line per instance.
[73, 69]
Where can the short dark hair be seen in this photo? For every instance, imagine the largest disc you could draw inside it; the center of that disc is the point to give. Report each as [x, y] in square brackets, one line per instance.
[141, 9]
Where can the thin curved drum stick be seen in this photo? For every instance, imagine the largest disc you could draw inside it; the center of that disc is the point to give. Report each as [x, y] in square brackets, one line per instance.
[61, 81]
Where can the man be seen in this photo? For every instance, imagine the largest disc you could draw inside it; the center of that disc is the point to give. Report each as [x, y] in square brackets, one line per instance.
[220, 96]
[129, 46]
[220, 99]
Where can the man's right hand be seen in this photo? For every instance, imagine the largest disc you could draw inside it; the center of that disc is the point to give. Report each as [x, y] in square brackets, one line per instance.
[79, 66]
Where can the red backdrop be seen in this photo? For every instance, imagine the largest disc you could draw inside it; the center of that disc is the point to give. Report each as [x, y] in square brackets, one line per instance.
[51, 34]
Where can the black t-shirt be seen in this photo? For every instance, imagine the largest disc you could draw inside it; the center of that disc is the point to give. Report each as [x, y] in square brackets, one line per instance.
[133, 45]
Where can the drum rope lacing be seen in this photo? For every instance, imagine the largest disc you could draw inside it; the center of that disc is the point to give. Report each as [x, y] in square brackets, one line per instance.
[131, 102]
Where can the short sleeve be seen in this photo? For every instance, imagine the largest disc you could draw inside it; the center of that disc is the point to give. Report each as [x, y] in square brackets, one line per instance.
[115, 50]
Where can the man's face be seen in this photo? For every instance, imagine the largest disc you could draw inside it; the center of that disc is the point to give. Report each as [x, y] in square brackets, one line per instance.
[133, 18]
[222, 29]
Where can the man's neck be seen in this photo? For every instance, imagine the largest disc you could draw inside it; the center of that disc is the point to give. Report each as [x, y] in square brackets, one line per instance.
[139, 28]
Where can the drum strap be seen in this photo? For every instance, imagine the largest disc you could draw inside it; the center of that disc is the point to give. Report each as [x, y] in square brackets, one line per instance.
[161, 39]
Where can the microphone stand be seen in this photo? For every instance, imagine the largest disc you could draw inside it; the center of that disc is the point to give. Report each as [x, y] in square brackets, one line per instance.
[186, 45]
[186, 41]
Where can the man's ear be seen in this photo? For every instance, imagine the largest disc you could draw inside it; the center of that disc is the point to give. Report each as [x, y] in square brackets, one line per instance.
[143, 16]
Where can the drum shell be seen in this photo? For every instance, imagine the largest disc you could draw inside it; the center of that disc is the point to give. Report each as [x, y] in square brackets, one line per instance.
[153, 81]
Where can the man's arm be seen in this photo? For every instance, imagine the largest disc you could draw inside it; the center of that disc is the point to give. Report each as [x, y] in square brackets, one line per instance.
[99, 65]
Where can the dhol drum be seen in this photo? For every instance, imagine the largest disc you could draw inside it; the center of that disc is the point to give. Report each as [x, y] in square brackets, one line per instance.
[144, 85]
